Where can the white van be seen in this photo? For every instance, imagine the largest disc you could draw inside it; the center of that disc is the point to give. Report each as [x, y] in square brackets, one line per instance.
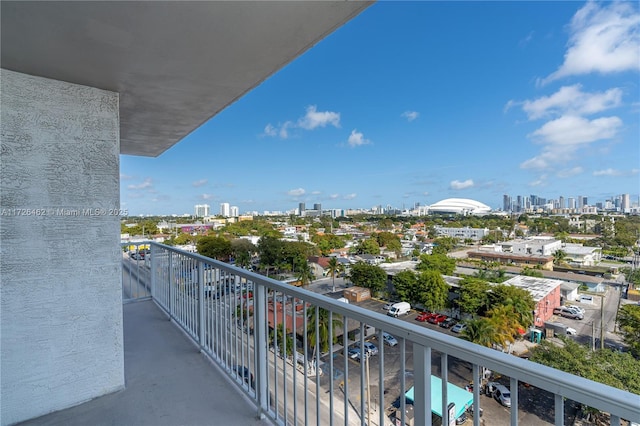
[400, 308]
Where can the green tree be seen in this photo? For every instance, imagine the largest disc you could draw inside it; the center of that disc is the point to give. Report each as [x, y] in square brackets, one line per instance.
[629, 323]
[304, 273]
[530, 272]
[214, 247]
[620, 370]
[437, 262]
[368, 246]
[405, 284]
[559, 256]
[433, 290]
[369, 276]
[321, 338]
[479, 331]
[473, 295]
[445, 243]
[390, 241]
[277, 340]
[242, 250]
[518, 298]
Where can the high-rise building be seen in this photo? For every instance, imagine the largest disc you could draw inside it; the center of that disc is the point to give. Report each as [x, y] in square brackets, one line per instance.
[585, 202]
[201, 210]
[317, 207]
[225, 210]
[626, 203]
[561, 204]
[234, 212]
[571, 203]
[506, 203]
[301, 209]
[580, 202]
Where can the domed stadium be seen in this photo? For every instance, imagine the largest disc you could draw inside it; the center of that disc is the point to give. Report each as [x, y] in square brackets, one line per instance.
[462, 206]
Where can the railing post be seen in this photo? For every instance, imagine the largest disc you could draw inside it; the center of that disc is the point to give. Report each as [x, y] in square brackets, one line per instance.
[559, 410]
[514, 401]
[260, 315]
[421, 385]
[444, 376]
[154, 264]
[201, 316]
[171, 278]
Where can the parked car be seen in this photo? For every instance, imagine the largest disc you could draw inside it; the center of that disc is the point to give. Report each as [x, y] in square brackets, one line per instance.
[424, 316]
[568, 313]
[576, 308]
[246, 375]
[500, 392]
[389, 339]
[437, 319]
[356, 355]
[448, 323]
[370, 348]
[387, 306]
[459, 327]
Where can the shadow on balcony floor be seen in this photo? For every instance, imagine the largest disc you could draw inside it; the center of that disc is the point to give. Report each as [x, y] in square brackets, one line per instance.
[168, 382]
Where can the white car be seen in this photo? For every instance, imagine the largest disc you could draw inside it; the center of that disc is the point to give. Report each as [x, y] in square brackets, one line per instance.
[459, 327]
[389, 339]
[571, 331]
[576, 308]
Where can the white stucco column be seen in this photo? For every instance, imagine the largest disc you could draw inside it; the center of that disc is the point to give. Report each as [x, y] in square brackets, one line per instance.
[60, 260]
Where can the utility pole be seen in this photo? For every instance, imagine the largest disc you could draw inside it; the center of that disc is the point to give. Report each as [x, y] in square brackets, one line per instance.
[602, 321]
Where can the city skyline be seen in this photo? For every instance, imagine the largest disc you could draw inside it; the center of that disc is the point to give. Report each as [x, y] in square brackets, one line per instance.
[453, 100]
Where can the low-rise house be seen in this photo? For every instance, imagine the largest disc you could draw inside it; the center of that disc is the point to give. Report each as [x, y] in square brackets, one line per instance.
[545, 293]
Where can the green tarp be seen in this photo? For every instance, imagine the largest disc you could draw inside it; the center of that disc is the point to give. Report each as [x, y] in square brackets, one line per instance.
[462, 398]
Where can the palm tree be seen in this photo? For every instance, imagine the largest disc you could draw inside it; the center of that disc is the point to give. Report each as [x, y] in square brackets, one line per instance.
[304, 274]
[277, 338]
[333, 266]
[322, 338]
[559, 256]
[479, 331]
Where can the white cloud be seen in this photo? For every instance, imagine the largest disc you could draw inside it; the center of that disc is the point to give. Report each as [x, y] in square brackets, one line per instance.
[356, 139]
[207, 196]
[316, 192]
[570, 172]
[456, 184]
[350, 196]
[526, 40]
[269, 130]
[607, 172]
[574, 130]
[296, 192]
[334, 196]
[570, 100]
[147, 184]
[603, 39]
[314, 118]
[284, 129]
[410, 115]
[125, 177]
[541, 181]
[199, 183]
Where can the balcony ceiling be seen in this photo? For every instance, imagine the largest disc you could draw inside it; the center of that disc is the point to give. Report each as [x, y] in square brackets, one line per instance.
[175, 64]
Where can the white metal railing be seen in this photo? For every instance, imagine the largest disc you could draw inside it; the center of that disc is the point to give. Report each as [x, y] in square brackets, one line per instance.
[234, 316]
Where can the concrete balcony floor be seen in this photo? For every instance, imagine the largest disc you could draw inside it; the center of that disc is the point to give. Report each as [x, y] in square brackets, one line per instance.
[168, 382]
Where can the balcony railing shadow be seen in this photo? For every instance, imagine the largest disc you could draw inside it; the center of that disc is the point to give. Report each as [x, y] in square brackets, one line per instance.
[168, 382]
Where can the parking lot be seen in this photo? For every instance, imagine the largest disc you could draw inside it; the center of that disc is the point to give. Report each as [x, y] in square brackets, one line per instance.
[535, 406]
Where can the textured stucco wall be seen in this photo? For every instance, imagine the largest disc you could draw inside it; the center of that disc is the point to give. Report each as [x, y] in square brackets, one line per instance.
[60, 262]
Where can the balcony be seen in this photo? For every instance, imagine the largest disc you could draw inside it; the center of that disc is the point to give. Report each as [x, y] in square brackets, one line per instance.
[262, 375]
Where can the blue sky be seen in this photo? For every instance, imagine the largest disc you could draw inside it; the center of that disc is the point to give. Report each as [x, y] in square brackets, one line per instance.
[421, 101]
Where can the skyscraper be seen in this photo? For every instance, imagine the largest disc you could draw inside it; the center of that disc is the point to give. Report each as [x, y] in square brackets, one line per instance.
[234, 212]
[224, 210]
[201, 210]
[572, 203]
[626, 203]
[506, 203]
[301, 209]
[561, 203]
